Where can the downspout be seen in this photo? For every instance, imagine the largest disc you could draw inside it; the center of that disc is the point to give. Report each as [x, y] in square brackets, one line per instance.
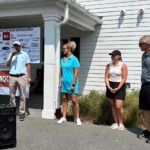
[66, 15]
[64, 21]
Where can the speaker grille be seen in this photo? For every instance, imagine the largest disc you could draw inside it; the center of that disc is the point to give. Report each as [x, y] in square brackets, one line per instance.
[7, 126]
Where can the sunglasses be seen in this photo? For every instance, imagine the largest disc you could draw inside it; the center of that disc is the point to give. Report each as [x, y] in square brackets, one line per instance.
[16, 45]
[65, 48]
[140, 44]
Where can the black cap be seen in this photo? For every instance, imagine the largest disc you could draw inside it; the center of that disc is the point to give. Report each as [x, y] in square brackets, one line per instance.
[115, 53]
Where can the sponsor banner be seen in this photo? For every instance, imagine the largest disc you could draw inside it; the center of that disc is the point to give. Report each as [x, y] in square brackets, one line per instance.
[4, 84]
[29, 37]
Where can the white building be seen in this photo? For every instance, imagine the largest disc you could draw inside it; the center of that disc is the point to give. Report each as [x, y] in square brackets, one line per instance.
[118, 31]
[99, 26]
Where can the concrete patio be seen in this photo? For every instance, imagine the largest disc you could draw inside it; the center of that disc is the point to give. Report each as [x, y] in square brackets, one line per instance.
[36, 133]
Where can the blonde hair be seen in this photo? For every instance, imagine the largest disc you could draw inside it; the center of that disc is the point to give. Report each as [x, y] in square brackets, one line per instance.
[145, 39]
[71, 45]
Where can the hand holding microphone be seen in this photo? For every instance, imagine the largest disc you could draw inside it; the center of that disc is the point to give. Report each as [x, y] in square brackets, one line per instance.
[13, 53]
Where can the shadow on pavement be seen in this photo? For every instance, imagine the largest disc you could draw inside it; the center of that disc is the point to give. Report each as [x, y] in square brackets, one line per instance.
[33, 102]
[135, 130]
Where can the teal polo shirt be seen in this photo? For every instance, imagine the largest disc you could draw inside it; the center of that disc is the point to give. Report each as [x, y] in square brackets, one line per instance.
[67, 68]
[19, 62]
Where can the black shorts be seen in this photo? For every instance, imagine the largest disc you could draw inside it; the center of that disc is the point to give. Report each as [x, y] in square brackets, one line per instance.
[119, 94]
[144, 96]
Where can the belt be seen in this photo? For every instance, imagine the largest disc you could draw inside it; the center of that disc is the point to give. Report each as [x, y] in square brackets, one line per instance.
[17, 75]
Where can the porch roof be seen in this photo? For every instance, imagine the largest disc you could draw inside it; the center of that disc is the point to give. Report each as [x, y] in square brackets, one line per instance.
[79, 17]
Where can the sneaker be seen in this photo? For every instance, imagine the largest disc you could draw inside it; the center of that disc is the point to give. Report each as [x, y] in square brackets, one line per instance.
[148, 140]
[22, 117]
[79, 122]
[144, 134]
[61, 120]
[121, 127]
[114, 126]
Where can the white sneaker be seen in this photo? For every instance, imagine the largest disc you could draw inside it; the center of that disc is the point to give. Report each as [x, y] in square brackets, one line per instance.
[121, 127]
[61, 120]
[114, 126]
[79, 122]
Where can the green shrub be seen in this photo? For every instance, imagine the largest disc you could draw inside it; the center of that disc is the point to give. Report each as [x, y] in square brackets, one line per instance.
[96, 107]
[132, 115]
[89, 104]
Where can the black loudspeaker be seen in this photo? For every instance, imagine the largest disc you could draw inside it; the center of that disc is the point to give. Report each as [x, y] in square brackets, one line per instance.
[7, 126]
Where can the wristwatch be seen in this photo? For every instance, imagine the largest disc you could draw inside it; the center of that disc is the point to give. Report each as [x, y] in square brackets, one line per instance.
[73, 84]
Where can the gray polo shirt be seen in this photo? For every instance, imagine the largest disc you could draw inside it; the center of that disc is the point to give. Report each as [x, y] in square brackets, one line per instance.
[145, 77]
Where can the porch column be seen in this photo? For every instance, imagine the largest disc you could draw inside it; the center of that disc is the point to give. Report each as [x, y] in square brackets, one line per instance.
[58, 52]
[52, 40]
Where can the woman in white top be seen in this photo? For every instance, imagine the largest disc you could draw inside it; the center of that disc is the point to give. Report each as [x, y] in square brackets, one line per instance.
[115, 78]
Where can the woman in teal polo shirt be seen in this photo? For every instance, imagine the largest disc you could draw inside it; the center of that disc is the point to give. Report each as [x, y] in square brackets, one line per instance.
[68, 81]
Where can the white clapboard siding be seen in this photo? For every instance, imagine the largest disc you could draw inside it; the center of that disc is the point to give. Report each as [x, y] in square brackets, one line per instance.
[116, 32]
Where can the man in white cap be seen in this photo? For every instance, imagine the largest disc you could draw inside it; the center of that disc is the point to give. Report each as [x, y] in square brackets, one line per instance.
[19, 63]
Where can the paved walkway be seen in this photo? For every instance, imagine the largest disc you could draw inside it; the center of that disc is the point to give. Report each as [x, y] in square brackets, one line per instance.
[40, 134]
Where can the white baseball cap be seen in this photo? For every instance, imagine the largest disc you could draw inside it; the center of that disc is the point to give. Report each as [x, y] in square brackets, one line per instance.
[17, 43]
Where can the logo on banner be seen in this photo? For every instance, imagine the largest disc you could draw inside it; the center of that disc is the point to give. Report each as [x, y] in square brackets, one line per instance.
[6, 36]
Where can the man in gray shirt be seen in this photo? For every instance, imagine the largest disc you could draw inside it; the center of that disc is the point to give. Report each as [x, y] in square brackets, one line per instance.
[144, 96]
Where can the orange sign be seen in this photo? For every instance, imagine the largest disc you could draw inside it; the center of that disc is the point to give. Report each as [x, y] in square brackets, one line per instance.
[4, 78]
